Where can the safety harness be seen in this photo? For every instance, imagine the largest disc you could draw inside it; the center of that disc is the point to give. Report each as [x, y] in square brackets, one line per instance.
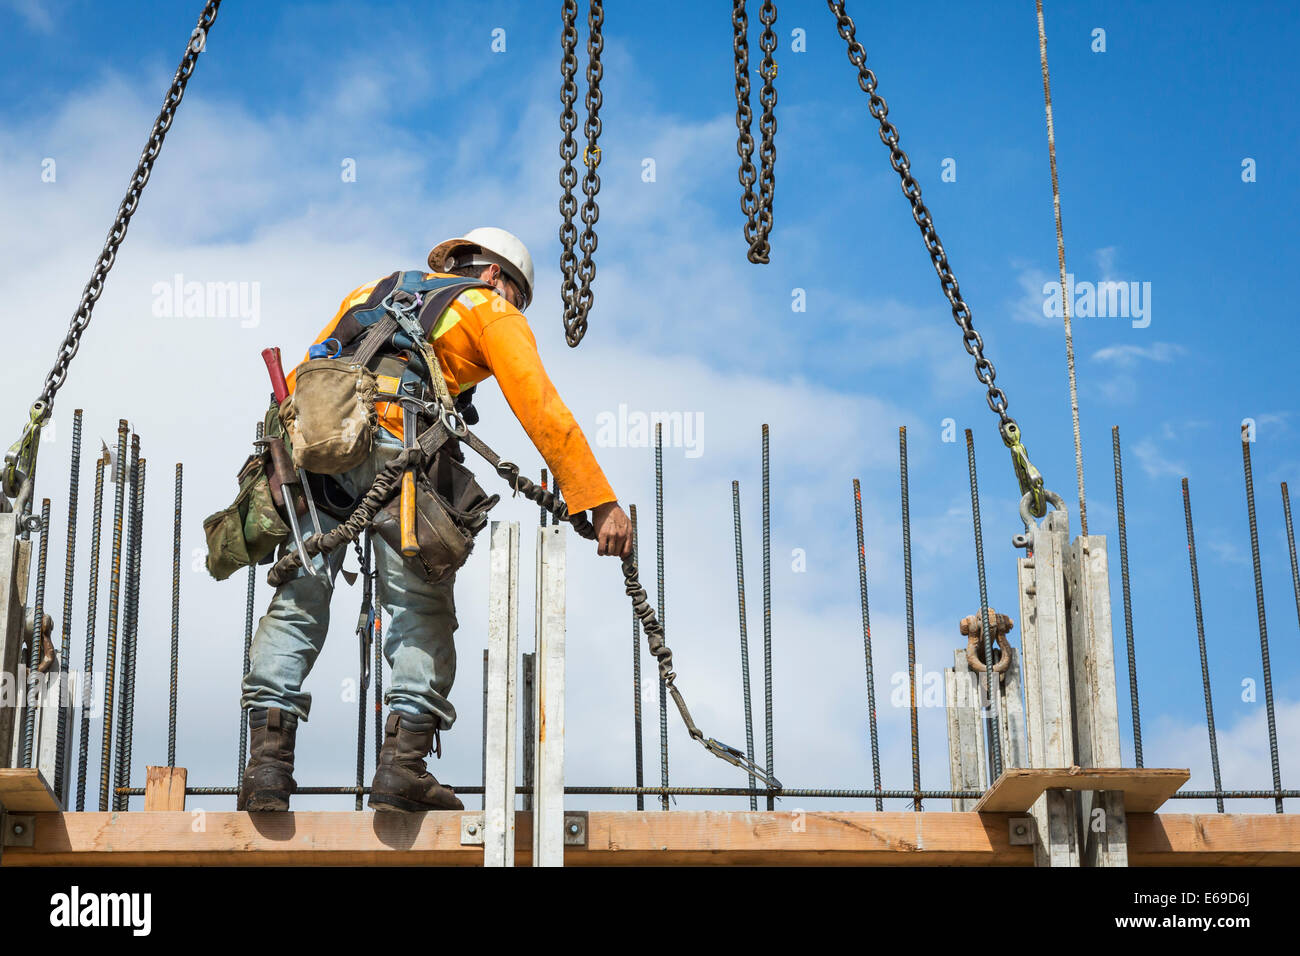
[398, 315]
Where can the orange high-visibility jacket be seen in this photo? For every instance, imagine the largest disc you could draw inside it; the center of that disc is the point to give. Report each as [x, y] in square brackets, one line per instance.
[481, 335]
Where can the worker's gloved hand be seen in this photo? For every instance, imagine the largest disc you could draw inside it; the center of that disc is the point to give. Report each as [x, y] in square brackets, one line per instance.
[613, 530]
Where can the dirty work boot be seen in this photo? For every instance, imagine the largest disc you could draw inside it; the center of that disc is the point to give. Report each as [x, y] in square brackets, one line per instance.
[402, 782]
[268, 779]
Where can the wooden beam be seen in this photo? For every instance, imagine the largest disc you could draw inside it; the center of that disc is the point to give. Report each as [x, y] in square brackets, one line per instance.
[164, 788]
[1145, 790]
[24, 790]
[629, 838]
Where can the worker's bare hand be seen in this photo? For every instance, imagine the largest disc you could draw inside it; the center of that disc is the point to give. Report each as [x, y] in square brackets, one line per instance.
[613, 530]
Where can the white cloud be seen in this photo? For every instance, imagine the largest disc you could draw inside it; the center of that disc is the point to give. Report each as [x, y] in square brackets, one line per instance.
[35, 13]
[1129, 356]
[1154, 462]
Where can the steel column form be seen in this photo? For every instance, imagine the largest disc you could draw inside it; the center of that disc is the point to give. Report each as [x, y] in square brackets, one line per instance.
[502, 709]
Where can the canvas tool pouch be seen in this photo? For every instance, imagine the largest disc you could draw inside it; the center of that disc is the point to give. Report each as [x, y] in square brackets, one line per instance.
[249, 529]
[450, 509]
[330, 417]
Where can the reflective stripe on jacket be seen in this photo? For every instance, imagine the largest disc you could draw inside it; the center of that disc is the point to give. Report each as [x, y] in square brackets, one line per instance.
[481, 335]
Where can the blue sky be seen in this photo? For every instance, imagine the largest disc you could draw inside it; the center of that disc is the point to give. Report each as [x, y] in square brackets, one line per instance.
[1151, 136]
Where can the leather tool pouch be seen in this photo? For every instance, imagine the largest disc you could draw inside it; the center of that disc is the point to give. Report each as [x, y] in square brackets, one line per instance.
[330, 417]
[450, 509]
[250, 529]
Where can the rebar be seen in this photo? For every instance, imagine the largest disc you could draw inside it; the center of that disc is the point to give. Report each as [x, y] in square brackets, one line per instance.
[1200, 640]
[35, 699]
[65, 646]
[663, 614]
[130, 621]
[770, 765]
[526, 790]
[543, 510]
[866, 642]
[993, 734]
[744, 634]
[485, 723]
[911, 627]
[1128, 600]
[114, 601]
[92, 601]
[636, 677]
[363, 678]
[379, 682]
[248, 643]
[1290, 543]
[176, 619]
[1263, 625]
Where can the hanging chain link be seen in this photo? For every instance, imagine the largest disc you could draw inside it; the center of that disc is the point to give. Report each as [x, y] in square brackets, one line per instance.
[21, 461]
[1031, 482]
[757, 209]
[576, 294]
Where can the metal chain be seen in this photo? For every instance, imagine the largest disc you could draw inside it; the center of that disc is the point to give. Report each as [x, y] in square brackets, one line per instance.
[108, 255]
[576, 292]
[1031, 482]
[757, 209]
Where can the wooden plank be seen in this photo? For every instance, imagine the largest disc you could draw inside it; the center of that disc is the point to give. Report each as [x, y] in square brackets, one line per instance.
[630, 838]
[24, 790]
[164, 788]
[1145, 790]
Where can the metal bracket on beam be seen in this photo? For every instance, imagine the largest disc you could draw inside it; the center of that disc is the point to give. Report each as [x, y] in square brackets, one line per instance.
[19, 829]
[1022, 831]
[471, 829]
[575, 828]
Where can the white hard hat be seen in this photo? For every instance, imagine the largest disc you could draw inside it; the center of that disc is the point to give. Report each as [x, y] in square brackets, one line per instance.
[486, 246]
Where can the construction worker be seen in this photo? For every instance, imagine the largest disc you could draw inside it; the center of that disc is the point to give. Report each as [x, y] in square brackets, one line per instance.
[482, 333]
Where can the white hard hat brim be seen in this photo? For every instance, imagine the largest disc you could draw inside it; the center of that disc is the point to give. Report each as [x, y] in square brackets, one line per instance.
[446, 250]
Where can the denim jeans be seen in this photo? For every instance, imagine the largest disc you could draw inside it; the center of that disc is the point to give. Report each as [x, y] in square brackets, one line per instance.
[418, 644]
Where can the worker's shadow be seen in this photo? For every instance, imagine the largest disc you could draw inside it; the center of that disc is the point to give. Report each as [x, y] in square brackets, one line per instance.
[397, 831]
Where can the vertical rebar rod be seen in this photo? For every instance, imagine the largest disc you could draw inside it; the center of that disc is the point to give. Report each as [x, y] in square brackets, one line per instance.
[1290, 543]
[659, 548]
[744, 638]
[1128, 600]
[543, 510]
[176, 619]
[61, 784]
[636, 678]
[248, 643]
[911, 625]
[114, 602]
[1263, 625]
[866, 642]
[993, 734]
[130, 623]
[35, 699]
[483, 764]
[364, 632]
[92, 601]
[767, 612]
[1200, 640]
[379, 682]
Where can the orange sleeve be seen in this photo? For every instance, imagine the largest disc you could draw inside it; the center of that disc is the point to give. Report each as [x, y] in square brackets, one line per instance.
[510, 351]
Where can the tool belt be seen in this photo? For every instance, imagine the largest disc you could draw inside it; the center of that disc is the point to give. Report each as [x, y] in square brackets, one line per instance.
[450, 510]
[249, 530]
